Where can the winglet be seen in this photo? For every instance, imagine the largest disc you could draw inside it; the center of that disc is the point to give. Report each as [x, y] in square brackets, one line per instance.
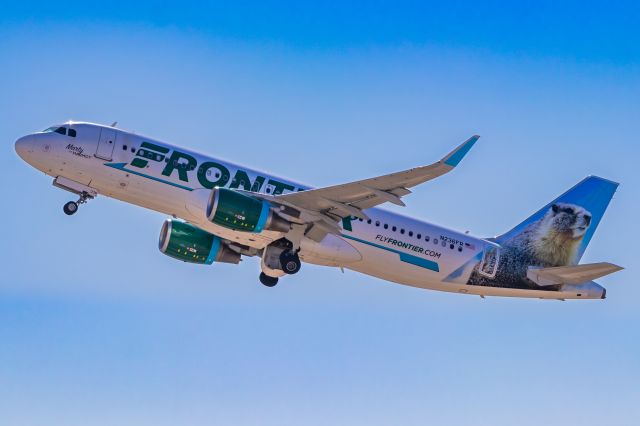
[455, 156]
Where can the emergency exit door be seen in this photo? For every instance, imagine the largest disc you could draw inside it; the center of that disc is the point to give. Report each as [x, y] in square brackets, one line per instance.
[106, 143]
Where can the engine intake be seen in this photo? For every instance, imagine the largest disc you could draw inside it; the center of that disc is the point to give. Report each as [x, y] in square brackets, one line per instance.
[188, 243]
[240, 212]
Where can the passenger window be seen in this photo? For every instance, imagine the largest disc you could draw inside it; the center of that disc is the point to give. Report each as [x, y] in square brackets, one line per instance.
[386, 226]
[72, 133]
[124, 147]
[459, 248]
[393, 228]
[134, 150]
[369, 221]
[426, 238]
[402, 231]
[419, 236]
[435, 241]
[61, 130]
[377, 223]
[451, 246]
[411, 233]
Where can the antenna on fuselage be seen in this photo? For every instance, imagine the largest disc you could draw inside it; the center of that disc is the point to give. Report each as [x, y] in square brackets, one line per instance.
[114, 124]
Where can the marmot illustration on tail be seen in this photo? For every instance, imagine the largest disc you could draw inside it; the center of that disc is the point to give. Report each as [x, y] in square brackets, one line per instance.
[553, 240]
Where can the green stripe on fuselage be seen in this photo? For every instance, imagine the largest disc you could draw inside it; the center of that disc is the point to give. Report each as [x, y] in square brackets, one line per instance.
[404, 257]
[121, 166]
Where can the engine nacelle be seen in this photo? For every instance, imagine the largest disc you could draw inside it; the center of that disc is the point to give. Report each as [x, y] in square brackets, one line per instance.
[241, 212]
[188, 243]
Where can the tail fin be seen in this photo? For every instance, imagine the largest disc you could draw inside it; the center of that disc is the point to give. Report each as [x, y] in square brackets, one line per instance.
[572, 217]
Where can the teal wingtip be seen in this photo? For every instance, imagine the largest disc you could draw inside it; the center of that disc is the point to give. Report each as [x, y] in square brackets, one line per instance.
[458, 154]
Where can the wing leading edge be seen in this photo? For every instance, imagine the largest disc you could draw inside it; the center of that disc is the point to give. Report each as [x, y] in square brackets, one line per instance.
[349, 199]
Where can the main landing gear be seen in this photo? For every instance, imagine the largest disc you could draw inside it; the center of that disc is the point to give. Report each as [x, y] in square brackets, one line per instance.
[267, 280]
[279, 258]
[72, 206]
[290, 262]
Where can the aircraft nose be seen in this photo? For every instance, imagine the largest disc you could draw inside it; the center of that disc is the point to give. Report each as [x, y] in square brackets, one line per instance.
[24, 146]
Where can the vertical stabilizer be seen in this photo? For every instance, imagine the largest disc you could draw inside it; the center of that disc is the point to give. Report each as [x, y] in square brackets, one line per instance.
[561, 230]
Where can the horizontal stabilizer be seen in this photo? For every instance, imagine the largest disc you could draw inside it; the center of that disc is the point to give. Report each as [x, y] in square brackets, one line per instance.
[576, 274]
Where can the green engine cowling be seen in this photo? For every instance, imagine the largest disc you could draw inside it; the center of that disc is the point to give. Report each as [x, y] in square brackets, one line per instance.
[241, 212]
[188, 243]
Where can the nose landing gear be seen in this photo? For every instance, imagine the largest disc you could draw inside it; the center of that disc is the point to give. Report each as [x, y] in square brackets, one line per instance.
[71, 207]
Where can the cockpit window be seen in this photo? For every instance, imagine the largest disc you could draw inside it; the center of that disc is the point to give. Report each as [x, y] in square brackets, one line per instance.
[61, 130]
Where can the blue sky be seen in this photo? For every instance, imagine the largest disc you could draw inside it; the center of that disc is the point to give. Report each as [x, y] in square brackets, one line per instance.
[96, 326]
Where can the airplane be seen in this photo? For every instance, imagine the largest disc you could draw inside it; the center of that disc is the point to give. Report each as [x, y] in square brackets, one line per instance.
[221, 212]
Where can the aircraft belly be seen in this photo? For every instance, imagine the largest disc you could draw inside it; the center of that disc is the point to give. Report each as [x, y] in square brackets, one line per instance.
[331, 251]
[388, 266]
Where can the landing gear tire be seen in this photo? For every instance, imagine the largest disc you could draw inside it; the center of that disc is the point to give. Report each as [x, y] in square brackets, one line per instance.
[290, 262]
[267, 280]
[70, 208]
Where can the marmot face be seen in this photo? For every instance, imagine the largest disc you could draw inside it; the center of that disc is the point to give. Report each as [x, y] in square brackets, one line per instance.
[555, 239]
[569, 220]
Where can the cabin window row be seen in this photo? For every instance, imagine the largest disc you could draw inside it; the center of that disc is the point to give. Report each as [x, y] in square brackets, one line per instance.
[409, 233]
[158, 157]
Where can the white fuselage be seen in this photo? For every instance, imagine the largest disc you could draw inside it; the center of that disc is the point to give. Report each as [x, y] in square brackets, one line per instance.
[176, 181]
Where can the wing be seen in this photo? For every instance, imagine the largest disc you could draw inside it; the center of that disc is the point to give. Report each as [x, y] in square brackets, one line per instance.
[576, 274]
[350, 199]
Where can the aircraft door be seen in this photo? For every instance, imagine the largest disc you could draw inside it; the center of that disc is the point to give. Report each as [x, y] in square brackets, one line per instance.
[106, 143]
[490, 260]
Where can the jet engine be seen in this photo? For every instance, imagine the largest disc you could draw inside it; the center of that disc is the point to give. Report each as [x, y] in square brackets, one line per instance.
[241, 212]
[188, 243]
